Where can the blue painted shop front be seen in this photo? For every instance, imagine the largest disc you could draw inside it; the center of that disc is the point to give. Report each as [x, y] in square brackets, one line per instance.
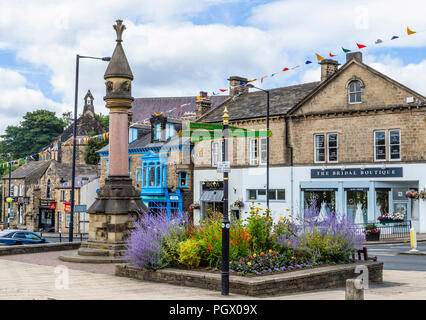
[154, 191]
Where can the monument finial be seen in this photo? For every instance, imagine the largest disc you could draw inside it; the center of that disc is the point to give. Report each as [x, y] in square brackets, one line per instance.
[119, 28]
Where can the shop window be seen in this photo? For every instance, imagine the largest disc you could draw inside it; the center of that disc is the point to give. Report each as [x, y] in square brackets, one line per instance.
[332, 146]
[253, 153]
[355, 92]
[170, 130]
[379, 145]
[382, 201]
[183, 179]
[319, 145]
[321, 202]
[394, 145]
[357, 204]
[12, 189]
[63, 195]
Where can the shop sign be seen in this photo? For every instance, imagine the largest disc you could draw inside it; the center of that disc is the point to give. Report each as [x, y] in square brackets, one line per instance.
[174, 197]
[357, 173]
[212, 185]
[67, 206]
[52, 206]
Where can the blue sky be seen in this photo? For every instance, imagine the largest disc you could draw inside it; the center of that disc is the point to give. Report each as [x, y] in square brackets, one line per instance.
[181, 47]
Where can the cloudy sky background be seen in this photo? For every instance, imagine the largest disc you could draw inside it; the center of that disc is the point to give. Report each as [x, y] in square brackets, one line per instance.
[180, 47]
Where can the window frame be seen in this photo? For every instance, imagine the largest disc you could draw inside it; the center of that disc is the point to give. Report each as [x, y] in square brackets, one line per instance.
[215, 155]
[354, 92]
[253, 161]
[263, 197]
[263, 142]
[390, 145]
[375, 146]
[158, 131]
[328, 148]
[315, 147]
[180, 178]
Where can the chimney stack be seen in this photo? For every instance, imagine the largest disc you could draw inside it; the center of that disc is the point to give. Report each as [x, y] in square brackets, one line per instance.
[203, 105]
[356, 55]
[328, 68]
[237, 85]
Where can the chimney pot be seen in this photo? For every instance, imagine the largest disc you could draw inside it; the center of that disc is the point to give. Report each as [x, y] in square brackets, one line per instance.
[328, 68]
[354, 55]
[237, 85]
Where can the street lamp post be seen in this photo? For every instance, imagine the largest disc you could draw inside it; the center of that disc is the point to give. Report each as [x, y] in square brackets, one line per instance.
[225, 219]
[78, 57]
[267, 143]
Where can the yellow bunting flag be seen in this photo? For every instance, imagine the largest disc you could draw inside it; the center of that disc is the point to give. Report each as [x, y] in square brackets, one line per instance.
[69, 143]
[319, 57]
[199, 98]
[410, 31]
[157, 114]
[252, 80]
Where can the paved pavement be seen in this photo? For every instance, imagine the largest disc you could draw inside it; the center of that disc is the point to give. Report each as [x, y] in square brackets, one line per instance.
[41, 276]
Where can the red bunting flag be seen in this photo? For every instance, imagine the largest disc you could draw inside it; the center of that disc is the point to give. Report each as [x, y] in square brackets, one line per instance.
[285, 69]
[223, 90]
[261, 80]
[331, 55]
[360, 46]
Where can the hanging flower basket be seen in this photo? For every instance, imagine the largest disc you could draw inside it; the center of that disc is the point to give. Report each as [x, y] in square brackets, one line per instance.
[372, 233]
[391, 217]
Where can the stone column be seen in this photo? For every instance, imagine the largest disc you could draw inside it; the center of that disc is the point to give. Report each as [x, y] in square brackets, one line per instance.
[118, 200]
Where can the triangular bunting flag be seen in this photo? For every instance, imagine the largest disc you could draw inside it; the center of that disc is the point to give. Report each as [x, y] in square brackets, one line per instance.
[308, 62]
[319, 57]
[285, 69]
[410, 31]
[199, 98]
[346, 50]
[394, 37]
[261, 80]
[252, 80]
[360, 46]
[331, 55]
[157, 114]
[223, 90]
[378, 41]
[273, 74]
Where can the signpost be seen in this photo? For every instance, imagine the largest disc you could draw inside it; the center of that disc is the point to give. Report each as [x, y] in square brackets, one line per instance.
[67, 206]
[223, 166]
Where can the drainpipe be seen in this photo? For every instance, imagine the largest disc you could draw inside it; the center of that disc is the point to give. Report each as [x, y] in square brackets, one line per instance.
[290, 148]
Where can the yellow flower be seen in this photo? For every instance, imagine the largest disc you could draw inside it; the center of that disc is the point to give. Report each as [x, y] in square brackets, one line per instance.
[290, 215]
[261, 253]
[288, 242]
[254, 256]
[249, 263]
[270, 250]
[288, 209]
[281, 218]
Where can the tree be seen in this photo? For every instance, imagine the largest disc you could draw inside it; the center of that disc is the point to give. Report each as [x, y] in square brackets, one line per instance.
[104, 119]
[67, 118]
[94, 145]
[37, 130]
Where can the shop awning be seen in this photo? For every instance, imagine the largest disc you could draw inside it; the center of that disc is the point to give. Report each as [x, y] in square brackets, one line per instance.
[212, 196]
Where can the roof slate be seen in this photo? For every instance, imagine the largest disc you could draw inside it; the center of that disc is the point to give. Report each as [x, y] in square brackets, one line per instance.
[143, 108]
[253, 104]
[31, 171]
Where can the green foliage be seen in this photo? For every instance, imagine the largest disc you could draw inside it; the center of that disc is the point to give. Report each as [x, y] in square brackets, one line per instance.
[91, 156]
[189, 253]
[37, 130]
[171, 244]
[104, 119]
[259, 225]
[67, 118]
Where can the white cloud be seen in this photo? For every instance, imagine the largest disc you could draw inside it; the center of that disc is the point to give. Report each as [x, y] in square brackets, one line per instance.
[171, 56]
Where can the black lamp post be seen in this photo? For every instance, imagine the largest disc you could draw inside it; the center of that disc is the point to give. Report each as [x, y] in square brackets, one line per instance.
[78, 57]
[267, 142]
[225, 219]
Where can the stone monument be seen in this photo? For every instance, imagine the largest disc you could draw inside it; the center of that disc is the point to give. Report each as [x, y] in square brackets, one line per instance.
[118, 200]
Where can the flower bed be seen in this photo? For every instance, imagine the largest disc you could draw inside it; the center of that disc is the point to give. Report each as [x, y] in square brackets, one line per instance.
[257, 246]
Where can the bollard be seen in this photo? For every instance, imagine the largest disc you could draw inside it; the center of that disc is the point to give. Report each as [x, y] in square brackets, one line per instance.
[352, 291]
[413, 240]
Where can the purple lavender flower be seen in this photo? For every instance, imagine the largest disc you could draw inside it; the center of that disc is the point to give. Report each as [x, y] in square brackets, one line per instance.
[283, 268]
[276, 269]
[290, 267]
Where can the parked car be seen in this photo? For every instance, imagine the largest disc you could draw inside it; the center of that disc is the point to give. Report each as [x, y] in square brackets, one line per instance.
[17, 237]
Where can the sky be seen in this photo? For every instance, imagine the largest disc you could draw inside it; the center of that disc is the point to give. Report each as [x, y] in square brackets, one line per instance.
[182, 47]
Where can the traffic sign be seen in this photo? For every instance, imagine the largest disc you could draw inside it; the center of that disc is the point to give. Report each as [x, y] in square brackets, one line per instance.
[224, 166]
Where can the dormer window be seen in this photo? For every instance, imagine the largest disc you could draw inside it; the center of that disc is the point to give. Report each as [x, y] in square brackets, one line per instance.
[157, 131]
[170, 130]
[355, 92]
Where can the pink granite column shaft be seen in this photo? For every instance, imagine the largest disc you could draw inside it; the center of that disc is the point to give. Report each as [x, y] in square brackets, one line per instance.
[118, 144]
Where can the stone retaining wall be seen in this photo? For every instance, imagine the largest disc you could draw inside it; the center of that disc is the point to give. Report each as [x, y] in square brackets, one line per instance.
[284, 283]
[35, 248]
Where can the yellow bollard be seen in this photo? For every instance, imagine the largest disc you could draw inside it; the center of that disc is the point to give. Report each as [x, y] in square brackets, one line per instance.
[413, 240]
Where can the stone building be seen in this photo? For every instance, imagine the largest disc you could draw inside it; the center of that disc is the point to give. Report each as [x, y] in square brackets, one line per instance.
[353, 141]
[36, 206]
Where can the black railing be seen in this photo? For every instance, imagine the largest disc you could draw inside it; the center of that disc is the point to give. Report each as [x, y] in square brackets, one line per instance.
[391, 230]
[63, 237]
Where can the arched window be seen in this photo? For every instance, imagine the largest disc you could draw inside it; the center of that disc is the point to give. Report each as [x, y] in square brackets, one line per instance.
[355, 91]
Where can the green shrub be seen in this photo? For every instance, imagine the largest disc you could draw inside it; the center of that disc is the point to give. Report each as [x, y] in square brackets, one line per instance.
[259, 225]
[189, 253]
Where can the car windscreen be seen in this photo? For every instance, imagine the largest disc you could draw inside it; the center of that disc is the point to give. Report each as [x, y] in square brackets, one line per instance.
[5, 234]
